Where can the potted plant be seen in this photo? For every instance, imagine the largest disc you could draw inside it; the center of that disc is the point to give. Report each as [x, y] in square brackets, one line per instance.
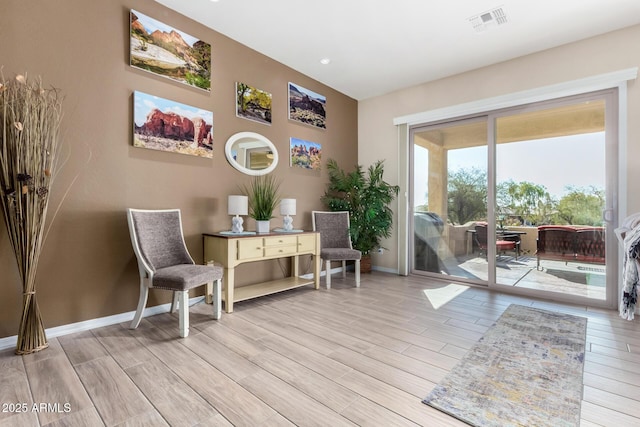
[263, 192]
[366, 196]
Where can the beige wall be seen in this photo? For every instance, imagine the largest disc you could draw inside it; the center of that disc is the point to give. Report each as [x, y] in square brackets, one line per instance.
[378, 137]
[87, 267]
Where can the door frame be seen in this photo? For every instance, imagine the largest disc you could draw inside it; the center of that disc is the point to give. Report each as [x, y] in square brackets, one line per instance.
[614, 80]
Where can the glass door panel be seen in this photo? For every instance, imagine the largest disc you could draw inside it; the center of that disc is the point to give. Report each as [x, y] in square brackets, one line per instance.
[550, 194]
[449, 198]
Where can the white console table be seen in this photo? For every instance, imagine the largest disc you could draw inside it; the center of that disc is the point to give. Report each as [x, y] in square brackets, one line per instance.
[233, 250]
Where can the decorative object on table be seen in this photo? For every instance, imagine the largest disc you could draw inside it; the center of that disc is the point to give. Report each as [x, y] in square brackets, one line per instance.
[30, 117]
[251, 153]
[157, 126]
[164, 263]
[306, 106]
[305, 154]
[160, 49]
[525, 371]
[335, 242]
[366, 197]
[263, 192]
[253, 104]
[287, 208]
[238, 205]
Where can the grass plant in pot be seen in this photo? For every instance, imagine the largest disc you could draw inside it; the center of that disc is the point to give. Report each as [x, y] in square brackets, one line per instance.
[264, 195]
[366, 195]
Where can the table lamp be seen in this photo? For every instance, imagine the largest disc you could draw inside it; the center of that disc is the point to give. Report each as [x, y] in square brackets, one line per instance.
[238, 205]
[287, 208]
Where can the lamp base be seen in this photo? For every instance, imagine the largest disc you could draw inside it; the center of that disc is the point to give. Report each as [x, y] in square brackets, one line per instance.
[287, 223]
[236, 224]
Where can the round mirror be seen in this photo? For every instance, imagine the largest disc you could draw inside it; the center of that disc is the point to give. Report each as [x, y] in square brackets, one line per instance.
[251, 153]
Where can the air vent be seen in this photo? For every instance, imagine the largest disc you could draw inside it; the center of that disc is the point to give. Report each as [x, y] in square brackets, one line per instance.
[488, 19]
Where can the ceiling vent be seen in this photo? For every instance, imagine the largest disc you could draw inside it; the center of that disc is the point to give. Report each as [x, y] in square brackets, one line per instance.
[488, 19]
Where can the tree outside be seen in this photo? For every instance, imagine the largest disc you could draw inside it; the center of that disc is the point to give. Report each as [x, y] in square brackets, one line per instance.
[521, 203]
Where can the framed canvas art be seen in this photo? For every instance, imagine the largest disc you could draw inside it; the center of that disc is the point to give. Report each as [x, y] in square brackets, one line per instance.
[168, 52]
[306, 106]
[253, 104]
[305, 154]
[165, 125]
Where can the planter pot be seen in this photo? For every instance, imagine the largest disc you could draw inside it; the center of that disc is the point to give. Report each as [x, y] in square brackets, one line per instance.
[365, 264]
[263, 226]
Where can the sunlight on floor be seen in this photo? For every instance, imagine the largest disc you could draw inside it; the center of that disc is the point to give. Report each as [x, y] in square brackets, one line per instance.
[440, 296]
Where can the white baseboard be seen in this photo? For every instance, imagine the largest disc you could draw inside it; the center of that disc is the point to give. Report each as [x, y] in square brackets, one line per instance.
[71, 328]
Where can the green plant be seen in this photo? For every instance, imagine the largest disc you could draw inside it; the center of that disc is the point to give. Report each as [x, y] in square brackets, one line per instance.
[264, 195]
[366, 196]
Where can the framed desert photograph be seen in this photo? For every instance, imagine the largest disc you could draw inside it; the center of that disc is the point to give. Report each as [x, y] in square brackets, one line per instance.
[253, 104]
[305, 154]
[165, 125]
[168, 52]
[306, 106]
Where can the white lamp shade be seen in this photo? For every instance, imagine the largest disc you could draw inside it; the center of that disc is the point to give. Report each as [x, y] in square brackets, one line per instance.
[288, 207]
[238, 205]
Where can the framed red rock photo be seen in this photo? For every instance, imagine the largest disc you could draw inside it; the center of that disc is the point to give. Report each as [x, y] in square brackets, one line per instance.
[165, 125]
[163, 50]
[306, 106]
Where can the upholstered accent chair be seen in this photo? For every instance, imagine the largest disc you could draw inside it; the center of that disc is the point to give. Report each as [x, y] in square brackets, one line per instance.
[164, 263]
[335, 242]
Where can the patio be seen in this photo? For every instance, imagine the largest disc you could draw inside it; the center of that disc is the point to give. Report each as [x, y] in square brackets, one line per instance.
[573, 278]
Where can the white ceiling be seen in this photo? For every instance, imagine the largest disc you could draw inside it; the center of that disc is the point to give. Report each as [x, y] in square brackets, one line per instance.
[377, 46]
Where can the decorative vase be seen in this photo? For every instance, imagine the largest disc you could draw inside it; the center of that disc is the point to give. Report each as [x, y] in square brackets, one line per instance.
[263, 226]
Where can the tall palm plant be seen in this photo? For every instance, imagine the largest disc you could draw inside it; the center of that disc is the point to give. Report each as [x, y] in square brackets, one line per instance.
[366, 196]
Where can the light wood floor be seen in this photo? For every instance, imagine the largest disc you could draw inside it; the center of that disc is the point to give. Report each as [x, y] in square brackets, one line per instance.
[345, 356]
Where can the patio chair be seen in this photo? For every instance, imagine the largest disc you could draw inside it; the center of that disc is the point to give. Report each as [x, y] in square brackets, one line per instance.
[335, 242]
[164, 263]
[506, 243]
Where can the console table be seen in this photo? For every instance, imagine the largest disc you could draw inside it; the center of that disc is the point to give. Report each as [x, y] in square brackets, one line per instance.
[232, 250]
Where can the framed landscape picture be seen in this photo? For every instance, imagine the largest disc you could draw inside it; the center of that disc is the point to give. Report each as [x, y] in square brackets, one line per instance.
[165, 51]
[161, 124]
[305, 154]
[306, 106]
[253, 104]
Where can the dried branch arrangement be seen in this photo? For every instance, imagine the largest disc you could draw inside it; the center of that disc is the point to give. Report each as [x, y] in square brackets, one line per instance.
[29, 125]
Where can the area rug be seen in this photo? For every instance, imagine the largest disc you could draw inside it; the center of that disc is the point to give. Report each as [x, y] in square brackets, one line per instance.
[525, 371]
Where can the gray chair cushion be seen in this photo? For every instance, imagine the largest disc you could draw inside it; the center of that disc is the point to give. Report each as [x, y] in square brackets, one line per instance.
[185, 276]
[340, 254]
[334, 229]
[160, 238]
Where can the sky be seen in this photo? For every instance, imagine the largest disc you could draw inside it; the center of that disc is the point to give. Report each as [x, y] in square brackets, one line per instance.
[151, 25]
[144, 103]
[552, 162]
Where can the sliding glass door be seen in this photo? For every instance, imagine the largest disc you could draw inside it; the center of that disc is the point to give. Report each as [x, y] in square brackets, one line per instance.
[521, 199]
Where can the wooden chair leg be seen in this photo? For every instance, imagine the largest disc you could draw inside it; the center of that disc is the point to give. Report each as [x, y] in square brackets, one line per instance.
[175, 301]
[357, 273]
[142, 302]
[217, 299]
[344, 269]
[183, 312]
[328, 273]
[208, 293]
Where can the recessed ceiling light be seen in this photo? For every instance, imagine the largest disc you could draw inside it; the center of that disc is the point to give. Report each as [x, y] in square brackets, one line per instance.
[325, 61]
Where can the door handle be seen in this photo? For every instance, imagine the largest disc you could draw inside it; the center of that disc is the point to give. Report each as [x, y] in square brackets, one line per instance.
[607, 215]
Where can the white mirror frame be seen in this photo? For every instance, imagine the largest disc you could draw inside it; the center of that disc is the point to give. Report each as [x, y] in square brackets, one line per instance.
[255, 136]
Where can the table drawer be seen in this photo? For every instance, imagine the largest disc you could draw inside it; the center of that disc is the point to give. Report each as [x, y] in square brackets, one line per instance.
[307, 243]
[280, 250]
[250, 248]
[280, 241]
